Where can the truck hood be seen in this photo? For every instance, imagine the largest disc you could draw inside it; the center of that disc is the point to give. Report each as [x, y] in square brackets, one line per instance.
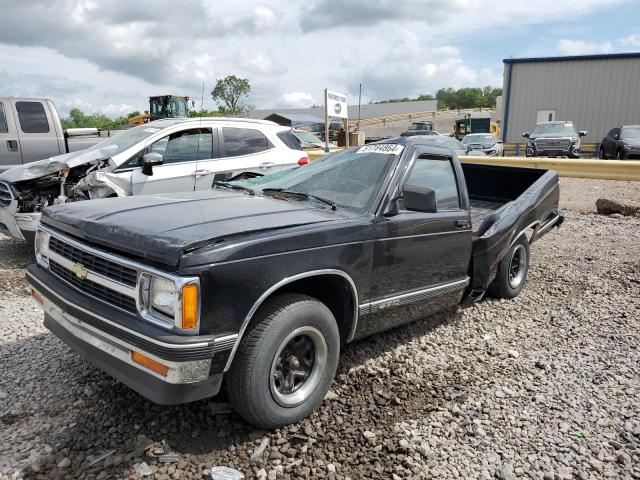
[50, 165]
[162, 228]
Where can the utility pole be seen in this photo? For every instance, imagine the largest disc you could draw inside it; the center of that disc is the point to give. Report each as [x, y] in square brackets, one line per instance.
[326, 123]
[202, 98]
[359, 102]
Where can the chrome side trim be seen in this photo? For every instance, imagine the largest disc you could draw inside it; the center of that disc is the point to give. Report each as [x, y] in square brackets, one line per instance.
[285, 281]
[224, 343]
[414, 296]
[178, 373]
[173, 346]
[546, 226]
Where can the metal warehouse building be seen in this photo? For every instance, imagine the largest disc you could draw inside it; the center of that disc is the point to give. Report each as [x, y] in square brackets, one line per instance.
[596, 92]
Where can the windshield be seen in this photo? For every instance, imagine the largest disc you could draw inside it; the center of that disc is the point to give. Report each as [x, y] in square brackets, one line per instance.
[631, 132]
[555, 129]
[307, 137]
[350, 178]
[421, 126]
[484, 140]
[121, 142]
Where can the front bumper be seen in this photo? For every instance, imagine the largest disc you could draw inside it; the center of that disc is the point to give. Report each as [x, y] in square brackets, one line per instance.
[191, 371]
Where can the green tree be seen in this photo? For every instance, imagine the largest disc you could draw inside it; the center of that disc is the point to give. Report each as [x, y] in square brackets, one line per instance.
[78, 119]
[133, 114]
[229, 93]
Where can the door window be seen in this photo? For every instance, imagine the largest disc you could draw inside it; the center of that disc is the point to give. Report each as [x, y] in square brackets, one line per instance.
[32, 117]
[437, 174]
[4, 128]
[244, 141]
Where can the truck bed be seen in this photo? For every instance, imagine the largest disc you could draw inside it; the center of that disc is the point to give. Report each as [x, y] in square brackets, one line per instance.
[481, 210]
[491, 187]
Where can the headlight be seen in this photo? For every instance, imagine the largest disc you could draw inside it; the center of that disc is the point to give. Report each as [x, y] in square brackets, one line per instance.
[627, 146]
[163, 296]
[531, 143]
[170, 302]
[42, 248]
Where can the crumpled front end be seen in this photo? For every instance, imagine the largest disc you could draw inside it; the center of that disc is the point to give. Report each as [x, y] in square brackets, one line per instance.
[23, 197]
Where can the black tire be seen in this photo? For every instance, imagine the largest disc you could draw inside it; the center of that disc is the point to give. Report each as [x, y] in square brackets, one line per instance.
[619, 155]
[252, 381]
[509, 281]
[603, 155]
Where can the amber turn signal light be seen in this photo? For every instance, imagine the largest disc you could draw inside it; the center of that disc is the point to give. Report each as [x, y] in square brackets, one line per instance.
[150, 363]
[189, 306]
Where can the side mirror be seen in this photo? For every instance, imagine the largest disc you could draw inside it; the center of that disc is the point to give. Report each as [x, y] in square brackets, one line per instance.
[419, 199]
[149, 160]
[500, 141]
[468, 148]
[616, 136]
[526, 134]
[582, 133]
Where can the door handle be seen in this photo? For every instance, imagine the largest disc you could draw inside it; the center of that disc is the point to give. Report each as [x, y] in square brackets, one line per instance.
[462, 224]
[201, 173]
[12, 145]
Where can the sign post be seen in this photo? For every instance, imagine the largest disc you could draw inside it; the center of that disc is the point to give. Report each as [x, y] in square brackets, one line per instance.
[335, 105]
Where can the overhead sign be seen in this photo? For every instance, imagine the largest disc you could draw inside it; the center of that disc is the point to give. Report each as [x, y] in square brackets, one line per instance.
[336, 104]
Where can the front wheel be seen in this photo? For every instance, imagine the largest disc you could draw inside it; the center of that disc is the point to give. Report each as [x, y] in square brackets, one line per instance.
[285, 363]
[512, 271]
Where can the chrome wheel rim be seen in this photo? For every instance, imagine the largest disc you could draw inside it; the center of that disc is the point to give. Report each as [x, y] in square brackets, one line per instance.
[517, 266]
[298, 366]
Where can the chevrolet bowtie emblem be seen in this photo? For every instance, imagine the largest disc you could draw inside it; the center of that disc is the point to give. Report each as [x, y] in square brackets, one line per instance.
[80, 271]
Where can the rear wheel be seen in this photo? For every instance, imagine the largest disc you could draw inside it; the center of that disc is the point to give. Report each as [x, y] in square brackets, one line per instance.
[285, 363]
[512, 271]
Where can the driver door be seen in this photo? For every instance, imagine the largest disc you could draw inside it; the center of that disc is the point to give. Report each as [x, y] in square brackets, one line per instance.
[180, 151]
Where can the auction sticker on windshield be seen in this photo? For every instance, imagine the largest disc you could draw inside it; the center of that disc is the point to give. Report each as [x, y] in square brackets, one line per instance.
[390, 148]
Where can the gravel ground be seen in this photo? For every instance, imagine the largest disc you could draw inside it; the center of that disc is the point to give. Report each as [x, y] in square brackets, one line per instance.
[546, 386]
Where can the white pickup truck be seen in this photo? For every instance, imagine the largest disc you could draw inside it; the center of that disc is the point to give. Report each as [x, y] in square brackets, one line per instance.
[30, 130]
[164, 156]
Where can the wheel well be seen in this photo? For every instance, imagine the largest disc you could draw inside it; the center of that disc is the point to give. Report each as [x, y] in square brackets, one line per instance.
[334, 291]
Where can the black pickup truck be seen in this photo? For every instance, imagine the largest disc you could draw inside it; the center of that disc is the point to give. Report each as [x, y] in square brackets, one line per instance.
[260, 283]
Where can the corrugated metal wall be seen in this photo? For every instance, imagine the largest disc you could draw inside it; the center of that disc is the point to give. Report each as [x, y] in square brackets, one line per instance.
[597, 94]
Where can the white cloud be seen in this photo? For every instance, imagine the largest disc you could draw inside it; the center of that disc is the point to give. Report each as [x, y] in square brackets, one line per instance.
[109, 59]
[297, 100]
[579, 47]
[631, 40]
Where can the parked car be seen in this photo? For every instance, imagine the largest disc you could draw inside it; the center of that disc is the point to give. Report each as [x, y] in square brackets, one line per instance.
[30, 130]
[484, 142]
[165, 156]
[419, 128]
[554, 139]
[259, 282]
[621, 143]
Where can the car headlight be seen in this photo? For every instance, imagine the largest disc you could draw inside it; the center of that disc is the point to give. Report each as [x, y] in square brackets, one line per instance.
[41, 244]
[627, 146]
[170, 302]
[531, 144]
[491, 152]
[163, 296]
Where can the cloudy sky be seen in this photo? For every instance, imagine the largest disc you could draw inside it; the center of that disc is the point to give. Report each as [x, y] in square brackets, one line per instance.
[110, 56]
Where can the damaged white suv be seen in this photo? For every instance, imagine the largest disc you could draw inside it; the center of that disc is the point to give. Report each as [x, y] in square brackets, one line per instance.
[165, 156]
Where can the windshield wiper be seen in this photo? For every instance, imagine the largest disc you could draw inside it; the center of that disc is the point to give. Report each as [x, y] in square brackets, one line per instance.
[331, 203]
[234, 186]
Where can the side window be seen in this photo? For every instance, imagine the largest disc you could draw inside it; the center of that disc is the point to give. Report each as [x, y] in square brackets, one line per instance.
[290, 140]
[32, 117]
[439, 175]
[243, 141]
[183, 146]
[4, 128]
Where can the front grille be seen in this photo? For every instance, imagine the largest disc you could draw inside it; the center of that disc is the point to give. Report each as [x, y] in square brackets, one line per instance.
[553, 144]
[94, 263]
[6, 195]
[96, 290]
